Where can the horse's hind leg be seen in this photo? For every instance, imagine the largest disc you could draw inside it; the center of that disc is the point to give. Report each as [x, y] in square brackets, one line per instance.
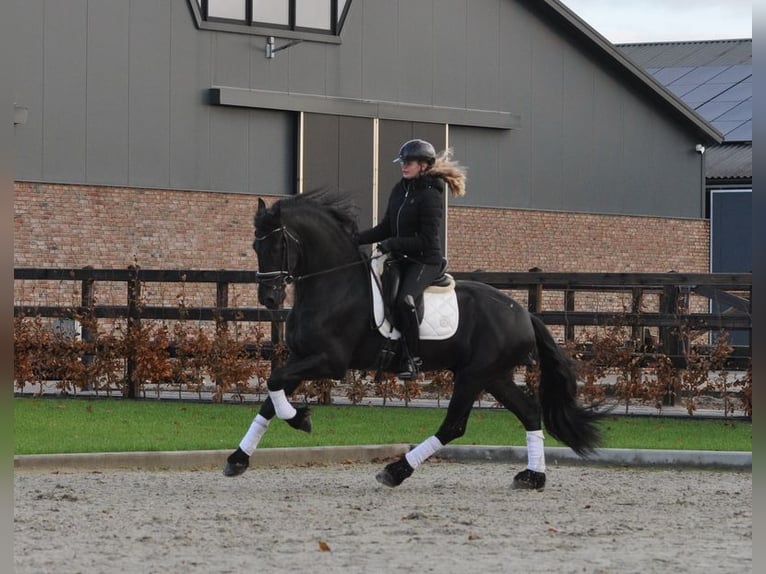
[527, 409]
[452, 427]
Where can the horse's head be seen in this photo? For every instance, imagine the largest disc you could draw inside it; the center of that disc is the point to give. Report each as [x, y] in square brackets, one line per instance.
[277, 251]
[303, 236]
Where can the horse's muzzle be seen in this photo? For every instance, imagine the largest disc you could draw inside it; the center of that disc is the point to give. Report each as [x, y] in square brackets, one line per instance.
[271, 297]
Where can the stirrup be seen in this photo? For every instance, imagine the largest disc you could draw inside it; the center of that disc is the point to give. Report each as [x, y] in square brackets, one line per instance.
[410, 368]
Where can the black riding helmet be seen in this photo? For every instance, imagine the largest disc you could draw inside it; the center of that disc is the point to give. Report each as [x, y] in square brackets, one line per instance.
[418, 150]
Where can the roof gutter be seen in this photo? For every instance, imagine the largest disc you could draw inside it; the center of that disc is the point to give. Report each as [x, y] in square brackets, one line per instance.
[611, 51]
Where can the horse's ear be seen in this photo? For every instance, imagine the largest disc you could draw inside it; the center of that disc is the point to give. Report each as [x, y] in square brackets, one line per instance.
[261, 206]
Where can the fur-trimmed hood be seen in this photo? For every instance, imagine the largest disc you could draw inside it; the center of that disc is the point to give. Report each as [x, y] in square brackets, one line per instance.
[450, 171]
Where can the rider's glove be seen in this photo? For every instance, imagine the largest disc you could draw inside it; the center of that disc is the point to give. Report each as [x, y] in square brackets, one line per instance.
[384, 246]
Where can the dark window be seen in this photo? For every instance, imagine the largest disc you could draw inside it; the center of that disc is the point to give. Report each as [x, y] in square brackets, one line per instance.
[324, 16]
[731, 242]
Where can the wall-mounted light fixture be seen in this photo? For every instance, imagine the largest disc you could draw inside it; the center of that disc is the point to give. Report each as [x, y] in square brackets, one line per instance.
[20, 114]
[699, 148]
[271, 49]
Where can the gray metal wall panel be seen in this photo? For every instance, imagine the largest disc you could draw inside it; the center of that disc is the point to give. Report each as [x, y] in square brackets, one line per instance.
[107, 96]
[190, 68]
[482, 55]
[380, 63]
[232, 54]
[149, 95]
[338, 154]
[321, 148]
[344, 62]
[546, 137]
[271, 152]
[64, 91]
[415, 52]
[27, 88]
[307, 68]
[450, 66]
[229, 161]
[355, 137]
[577, 133]
[480, 151]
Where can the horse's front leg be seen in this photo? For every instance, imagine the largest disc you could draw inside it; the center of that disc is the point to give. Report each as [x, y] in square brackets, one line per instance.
[281, 384]
[284, 380]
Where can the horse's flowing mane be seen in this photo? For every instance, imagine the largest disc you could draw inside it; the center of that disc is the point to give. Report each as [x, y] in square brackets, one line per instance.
[337, 205]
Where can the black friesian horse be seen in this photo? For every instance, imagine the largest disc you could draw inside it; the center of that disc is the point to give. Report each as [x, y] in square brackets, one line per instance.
[309, 240]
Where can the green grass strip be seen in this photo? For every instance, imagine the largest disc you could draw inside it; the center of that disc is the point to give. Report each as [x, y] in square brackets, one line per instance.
[47, 426]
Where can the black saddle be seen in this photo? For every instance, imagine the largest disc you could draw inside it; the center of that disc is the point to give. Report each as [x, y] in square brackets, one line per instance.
[391, 279]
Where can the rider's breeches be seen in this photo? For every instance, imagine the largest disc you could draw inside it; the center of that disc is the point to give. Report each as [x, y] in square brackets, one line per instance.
[415, 278]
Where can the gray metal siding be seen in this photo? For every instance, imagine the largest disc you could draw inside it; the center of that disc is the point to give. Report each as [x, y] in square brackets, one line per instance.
[64, 91]
[116, 96]
[108, 93]
[149, 94]
[271, 152]
[189, 114]
[27, 89]
[380, 54]
[449, 67]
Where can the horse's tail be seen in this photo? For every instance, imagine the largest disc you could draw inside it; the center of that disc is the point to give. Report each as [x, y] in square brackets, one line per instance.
[564, 418]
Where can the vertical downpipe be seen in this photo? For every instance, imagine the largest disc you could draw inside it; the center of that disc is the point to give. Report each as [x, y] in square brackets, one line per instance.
[446, 199]
[300, 153]
[375, 167]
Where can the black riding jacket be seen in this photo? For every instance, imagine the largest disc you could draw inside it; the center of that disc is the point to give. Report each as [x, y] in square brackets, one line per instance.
[413, 220]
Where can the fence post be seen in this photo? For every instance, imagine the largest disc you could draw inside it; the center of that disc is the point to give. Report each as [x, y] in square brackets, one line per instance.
[221, 301]
[569, 306]
[88, 301]
[635, 308]
[535, 297]
[669, 340]
[134, 323]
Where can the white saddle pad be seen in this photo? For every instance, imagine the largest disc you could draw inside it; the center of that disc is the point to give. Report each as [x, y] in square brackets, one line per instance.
[440, 310]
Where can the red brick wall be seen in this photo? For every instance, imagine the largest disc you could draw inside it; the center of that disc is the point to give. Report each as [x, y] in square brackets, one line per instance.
[74, 226]
[493, 239]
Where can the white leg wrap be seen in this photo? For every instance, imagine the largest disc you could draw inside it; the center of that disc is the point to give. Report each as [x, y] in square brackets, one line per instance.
[535, 451]
[283, 407]
[253, 436]
[425, 449]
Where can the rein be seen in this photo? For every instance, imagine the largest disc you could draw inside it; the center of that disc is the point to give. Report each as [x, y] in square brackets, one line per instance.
[284, 275]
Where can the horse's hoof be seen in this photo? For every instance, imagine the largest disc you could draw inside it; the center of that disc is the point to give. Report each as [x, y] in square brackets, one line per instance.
[395, 473]
[236, 464]
[529, 480]
[301, 420]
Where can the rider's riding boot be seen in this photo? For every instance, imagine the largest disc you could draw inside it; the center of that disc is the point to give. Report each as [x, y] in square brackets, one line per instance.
[411, 362]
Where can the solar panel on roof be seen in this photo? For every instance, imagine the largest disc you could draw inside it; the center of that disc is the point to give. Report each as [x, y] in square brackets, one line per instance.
[740, 112]
[712, 77]
[668, 75]
[681, 89]
[725, 127]
[703, 74]
[743, 133]
[735, 74]
[703, 93]
[713, 110]
[736, 93]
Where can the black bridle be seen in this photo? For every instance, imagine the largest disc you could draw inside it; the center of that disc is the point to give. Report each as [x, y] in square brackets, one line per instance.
[284, 276]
